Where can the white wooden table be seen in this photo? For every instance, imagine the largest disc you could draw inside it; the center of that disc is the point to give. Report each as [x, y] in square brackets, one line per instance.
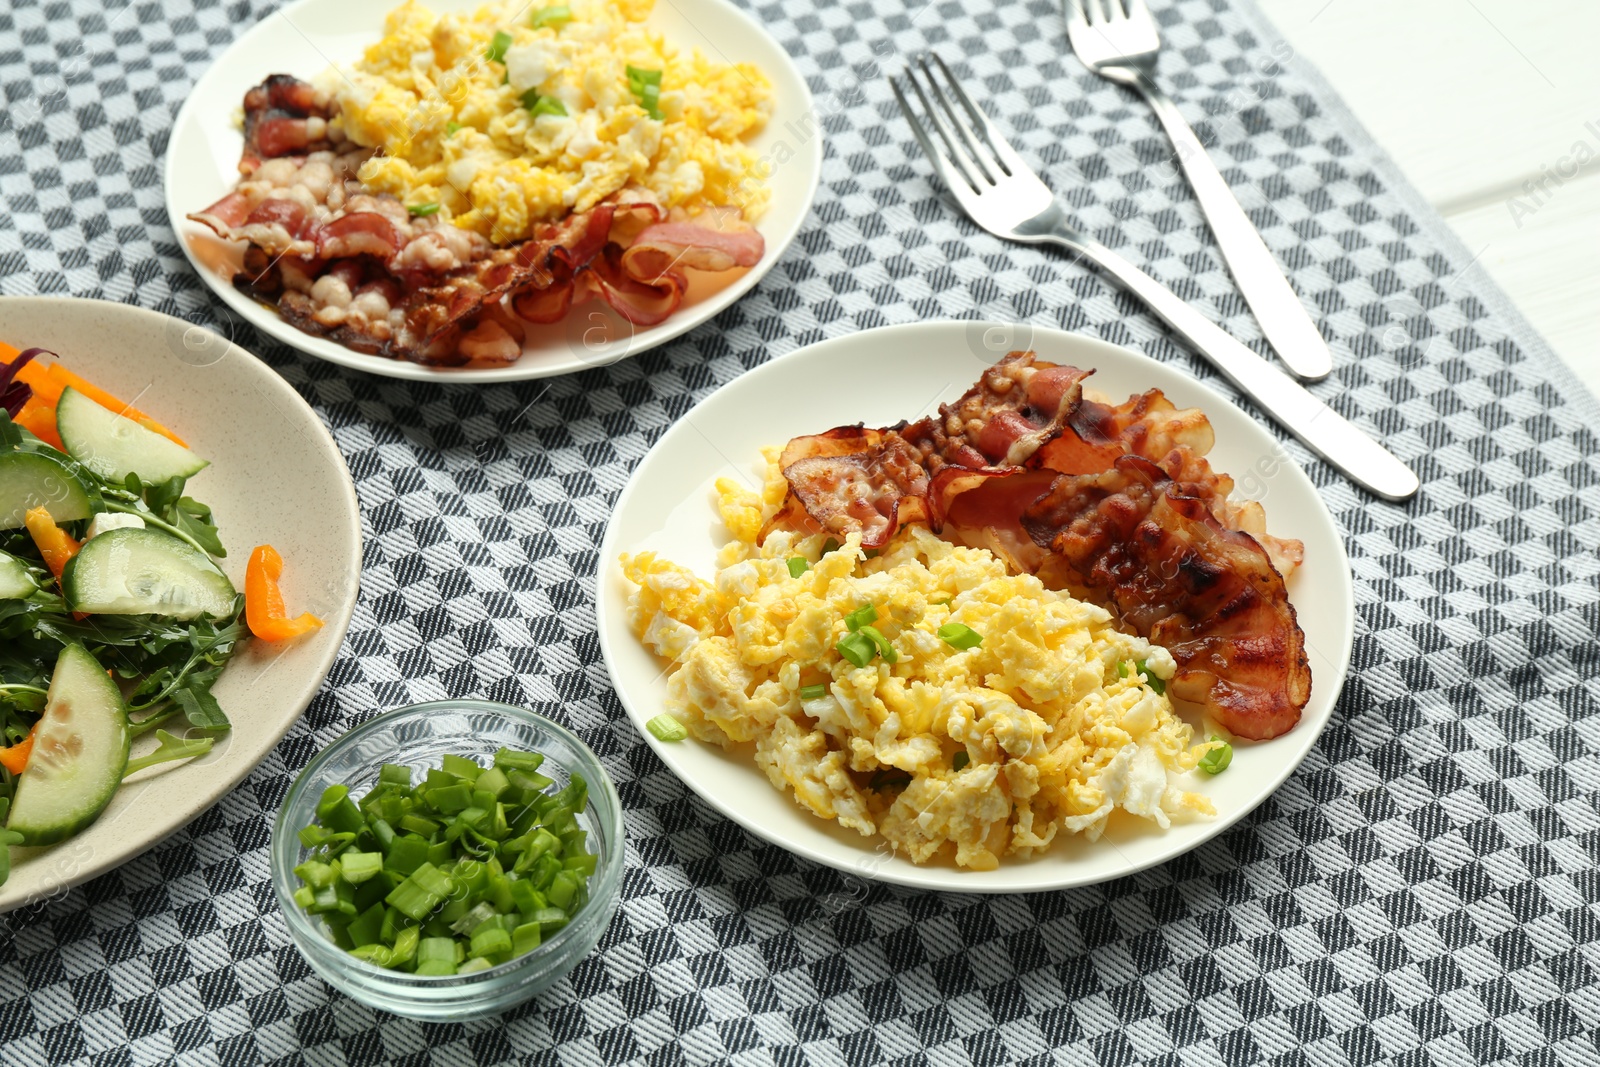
[1492, 110]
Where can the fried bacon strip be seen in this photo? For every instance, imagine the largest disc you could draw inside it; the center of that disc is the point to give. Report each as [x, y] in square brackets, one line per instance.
[1134, 539]
[853, 479]
[357, 268]
[284, 116]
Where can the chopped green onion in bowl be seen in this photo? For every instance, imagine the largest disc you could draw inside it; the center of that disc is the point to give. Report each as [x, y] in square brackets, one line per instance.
[421, 210]
[488, 737]
[798, 566]
[480, 862]
[813, 692]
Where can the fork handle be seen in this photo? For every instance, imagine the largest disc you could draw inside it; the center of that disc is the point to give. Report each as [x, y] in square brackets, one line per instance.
[1283, 319]
[1319, 427]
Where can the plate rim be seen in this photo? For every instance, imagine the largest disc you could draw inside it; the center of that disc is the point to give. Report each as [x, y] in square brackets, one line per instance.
[338, 625]
[271, 324]
[887, 874]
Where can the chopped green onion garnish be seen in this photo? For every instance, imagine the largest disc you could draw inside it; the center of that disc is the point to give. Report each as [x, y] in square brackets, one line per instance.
[646, 85]
[549, 105]
[665, 728]
[1122, 669]
[456, 869]
[857, 648]
[1216, 761]
[530, 98]
[959, 635]
[960, 760]
[860, 617]
[885, 649]
[558, 15]
[870, 553]
[830, 545]
[813, 692]
[941, 602]
[798, 566]
[451, 127]
[419, 210]
[498, 46]
[1151, 680]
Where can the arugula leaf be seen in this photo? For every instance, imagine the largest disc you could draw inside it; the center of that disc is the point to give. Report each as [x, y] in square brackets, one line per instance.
[194, 519]
[10, 432]
[170, 748]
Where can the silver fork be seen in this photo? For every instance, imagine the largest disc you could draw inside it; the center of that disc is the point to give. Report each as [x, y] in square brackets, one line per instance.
[1118, 40]
[1002, 195]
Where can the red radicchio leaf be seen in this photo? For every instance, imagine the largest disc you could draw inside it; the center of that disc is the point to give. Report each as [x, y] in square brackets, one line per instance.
[14, 394]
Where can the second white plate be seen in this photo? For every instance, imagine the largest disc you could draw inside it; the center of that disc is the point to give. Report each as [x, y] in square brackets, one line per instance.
[307, 37]
[903, 372]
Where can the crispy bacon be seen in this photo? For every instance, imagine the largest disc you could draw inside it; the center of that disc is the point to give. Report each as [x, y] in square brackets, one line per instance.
[283, 116]
[717, 239]
[360, 233]
[854, 479]
[1132, 539]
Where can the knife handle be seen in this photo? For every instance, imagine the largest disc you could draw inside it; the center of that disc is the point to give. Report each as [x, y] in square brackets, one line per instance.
[1284, 320]
[1319, 427]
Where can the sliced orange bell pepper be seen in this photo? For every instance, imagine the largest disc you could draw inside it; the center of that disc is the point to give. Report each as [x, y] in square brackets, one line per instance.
[55, 544]
[15, 758]
[47, 383]
[263, 600]
[38, 417]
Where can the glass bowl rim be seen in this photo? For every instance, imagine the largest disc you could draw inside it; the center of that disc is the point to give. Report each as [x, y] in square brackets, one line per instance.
[609, 873]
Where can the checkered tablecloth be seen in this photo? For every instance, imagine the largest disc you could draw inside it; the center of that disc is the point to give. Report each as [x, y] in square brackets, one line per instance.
[1422, 891]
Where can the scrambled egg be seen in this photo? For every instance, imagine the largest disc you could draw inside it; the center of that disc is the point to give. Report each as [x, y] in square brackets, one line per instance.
[1049, 724]
[518, 114]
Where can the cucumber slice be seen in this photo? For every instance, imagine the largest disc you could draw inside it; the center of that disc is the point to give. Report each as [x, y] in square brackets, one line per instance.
[15, 580]
[35, 479]
[114, 446]
[145, 572]
[80, 750]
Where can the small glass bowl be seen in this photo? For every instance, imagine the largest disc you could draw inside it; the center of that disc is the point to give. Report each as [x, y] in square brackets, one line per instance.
[418, 736]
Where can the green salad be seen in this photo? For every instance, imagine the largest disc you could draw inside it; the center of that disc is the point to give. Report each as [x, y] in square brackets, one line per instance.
[115, 619]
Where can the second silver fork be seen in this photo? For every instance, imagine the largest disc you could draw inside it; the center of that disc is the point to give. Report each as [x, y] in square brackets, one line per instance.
[1001, 194]
[1118, 40]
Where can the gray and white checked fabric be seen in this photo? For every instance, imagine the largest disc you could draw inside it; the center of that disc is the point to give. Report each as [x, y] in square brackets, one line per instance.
[1423, 891]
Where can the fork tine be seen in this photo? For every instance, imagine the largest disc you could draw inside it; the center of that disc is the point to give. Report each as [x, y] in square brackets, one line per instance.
[1010, 162]
[1097, 12]
[921, 133]
[1138, 10]
[1077, 18]
[955, 120]
[956, 155]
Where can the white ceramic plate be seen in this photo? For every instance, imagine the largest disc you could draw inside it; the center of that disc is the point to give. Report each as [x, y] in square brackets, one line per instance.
[275, 478]
[307, 37]
[879, 377]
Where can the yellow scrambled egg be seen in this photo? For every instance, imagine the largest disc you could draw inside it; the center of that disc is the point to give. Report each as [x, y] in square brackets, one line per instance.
[1046, 726]
[517, 114]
